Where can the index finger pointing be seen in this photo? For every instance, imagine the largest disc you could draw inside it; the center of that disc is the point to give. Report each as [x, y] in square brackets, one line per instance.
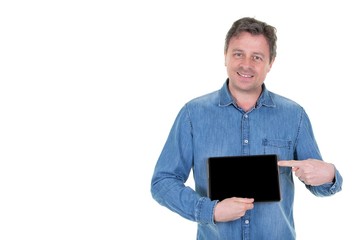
[289, 163]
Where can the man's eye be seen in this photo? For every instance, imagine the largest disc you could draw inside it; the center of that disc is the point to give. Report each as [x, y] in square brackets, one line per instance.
[257, 58]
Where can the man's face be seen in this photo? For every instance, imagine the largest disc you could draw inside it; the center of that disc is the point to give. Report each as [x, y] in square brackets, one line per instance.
[247, 61]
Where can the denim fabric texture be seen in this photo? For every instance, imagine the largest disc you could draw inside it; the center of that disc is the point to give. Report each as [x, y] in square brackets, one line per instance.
[212, 125]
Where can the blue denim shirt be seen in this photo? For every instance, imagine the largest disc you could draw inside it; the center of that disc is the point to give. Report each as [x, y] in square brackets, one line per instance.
[213, 125]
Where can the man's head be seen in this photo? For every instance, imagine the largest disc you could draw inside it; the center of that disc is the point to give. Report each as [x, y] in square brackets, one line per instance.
[250, 51]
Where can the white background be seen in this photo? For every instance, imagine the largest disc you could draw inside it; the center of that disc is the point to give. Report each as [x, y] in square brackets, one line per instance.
[90, 89]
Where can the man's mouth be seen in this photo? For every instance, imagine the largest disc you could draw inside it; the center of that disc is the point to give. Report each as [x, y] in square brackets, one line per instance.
[244, 75]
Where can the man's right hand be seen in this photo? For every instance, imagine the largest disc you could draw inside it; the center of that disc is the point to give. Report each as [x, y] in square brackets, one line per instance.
[231, 209]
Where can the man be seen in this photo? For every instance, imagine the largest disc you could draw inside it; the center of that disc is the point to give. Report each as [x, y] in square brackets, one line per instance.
[242, 118]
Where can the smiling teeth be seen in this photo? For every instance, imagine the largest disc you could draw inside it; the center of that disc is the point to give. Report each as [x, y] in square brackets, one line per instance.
[244, 75]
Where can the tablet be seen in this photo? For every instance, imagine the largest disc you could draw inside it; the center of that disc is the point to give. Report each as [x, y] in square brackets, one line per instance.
[255, 176]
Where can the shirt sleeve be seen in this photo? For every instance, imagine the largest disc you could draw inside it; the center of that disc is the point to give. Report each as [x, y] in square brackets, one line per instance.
[172, 170]
[328, 189]
[307, 147]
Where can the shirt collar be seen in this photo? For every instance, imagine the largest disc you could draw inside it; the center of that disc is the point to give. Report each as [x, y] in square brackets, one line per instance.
[226, 99]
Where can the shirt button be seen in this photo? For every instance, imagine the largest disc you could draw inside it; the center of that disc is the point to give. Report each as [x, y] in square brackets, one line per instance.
[246, 141]
[247, 221]
[245, 116]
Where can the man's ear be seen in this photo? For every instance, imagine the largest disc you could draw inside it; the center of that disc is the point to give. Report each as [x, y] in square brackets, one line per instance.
[270, 65]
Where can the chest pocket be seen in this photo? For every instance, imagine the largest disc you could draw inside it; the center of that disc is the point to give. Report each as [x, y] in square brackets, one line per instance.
[280, 147]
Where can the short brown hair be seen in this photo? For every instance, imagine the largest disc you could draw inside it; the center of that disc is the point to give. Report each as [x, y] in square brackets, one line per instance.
[254, 27]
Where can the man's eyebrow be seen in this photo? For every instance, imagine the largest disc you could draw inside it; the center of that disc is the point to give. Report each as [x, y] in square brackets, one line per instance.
[259, 53]
[253, 53]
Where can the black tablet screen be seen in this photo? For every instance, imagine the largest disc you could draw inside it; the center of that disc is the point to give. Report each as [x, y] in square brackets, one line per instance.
[255, 176]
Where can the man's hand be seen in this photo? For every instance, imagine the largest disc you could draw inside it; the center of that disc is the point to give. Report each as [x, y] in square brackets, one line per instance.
[311, 171]
[231, 209]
